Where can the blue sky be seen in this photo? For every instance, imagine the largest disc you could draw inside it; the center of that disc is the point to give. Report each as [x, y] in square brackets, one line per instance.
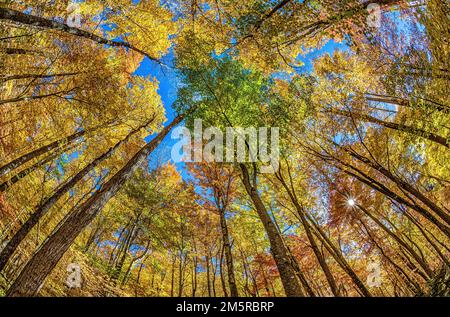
[168, 83]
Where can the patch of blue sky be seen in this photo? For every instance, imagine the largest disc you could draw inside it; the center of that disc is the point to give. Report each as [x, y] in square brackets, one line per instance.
[168, 87]
[329, 48]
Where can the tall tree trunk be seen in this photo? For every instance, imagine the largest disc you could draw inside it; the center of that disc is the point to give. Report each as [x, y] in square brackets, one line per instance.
[445, 141]
[369, 181]
[124, 250]
[208, 274]
[172, 275]
[287, 273]
[228, 254]
[320, 258]
[214, 271]
[113, 255]
[194, 276]
[4, 79]
[337, 255]
[5, 169]
[45, 259]
[222, 276]
[130, 266]
[405, 102]
[181, 275]
[42, 209]
[35, 21]
[402, 185]
[400, 241]
[25, 172]
[411, 284]
[352, 170]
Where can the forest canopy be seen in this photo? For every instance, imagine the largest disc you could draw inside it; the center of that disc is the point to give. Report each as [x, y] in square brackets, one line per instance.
[351, 198]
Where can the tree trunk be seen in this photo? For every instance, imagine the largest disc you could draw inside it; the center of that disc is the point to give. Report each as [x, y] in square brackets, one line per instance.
[5, 169]
[25, 172]
[208, 275]
[322, 262]
[45, 259]
[288, 277]
[228, 254]
[400, 241]
[402, 185]
[337, 255]
[396, 126]
[222, 276]
[61, 191]
[35, 21]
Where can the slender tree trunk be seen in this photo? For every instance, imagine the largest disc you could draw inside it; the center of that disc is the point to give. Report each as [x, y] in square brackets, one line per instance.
[430, 241]
[130, 266]
[181, 275]
[61, 191]
[208, 275]
[337, 255]
[445, 141]
[378, 186]
[194, 276]
[402, 185]
[320, 258]
[45, 259]
[35, 21]
[400, 241]
[405, 102]
[279, 252]
[92, 237]
[386, 191]
[35, 76]
[213, 282]
[126, 246]
[222, 275]
[172, 276]
[5, 169]
[112, 257]
[228, 254]
[23, 173]
[412, 285]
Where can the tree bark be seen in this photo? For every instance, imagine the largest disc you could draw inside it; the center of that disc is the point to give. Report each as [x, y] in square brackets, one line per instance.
[35, 21]
[45, 259]
[228, 255]
[23, 173]
[320, 258]
[5, 169]
[337, 255]
[396, 126]
[42, 210]
[400, 241]
[402, 185]
[288, 277]
[404, 102]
